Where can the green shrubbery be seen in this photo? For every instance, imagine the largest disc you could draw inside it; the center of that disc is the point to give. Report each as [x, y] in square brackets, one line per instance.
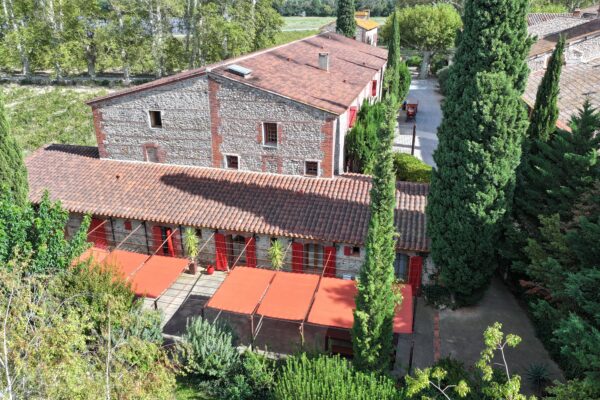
[410, 168]
[414, 61]
[330, 378]
[442, 75]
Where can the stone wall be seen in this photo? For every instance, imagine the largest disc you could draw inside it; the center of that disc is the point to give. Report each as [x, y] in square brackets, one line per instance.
[123, 125]
[303, 131]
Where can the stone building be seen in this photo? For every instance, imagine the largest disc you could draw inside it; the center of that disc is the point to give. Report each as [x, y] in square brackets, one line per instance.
[244, 152]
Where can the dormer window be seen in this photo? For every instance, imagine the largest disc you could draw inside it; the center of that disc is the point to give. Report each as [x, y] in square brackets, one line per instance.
[155, 119]
[270, 134]
[233, 162]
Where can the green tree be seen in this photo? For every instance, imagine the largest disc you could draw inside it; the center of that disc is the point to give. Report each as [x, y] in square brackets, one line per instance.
[542, 121]
[13, 174]
[480, 137]
[430, 29]
[376, 300]
[345, 23]
[362, 142]
[326, 377]
[397, 76]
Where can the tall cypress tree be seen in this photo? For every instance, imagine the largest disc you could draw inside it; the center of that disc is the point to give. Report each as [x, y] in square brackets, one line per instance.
[345, 23]
[375, 302]
[545, 112]
[397, 76]
[479, 147]
[13, 175]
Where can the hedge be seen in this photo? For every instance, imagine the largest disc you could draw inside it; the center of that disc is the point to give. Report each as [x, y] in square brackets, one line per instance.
[410, 168]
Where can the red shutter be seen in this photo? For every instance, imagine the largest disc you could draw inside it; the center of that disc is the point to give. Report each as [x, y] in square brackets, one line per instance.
[178, 252]
[97, 233]
[374, 88]
[352, 117]
[329, 261]
[415, 269]
[220, 252]
[297, 257]
[170, 246]
[251, 252]
[127, 225]
[157, 239]
[347, 250]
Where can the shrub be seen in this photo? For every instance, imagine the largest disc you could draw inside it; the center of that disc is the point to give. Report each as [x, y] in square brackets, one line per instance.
[438, 62]
[207, 350]
[276, 255]
[327, 378]
[442, 75]
[414, 61]
[410, 168]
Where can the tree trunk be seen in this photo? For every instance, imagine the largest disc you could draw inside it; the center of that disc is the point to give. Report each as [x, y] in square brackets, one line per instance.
[424, 72]
[90, 54]
[124, 54]
[9, 15]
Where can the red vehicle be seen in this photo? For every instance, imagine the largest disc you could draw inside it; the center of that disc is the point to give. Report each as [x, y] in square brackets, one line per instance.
[412, 106]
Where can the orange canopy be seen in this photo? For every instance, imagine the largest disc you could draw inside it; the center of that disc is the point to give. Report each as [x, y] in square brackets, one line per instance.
[95, 253]
[289, 296]
[334, 306]
[241, 291]
[125, 262]
[157, 275]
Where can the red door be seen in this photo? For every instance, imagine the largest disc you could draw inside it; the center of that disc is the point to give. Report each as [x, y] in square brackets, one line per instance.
[251, 252]
[97, 233]
[329, 261]
[220, 252]
[415, 270]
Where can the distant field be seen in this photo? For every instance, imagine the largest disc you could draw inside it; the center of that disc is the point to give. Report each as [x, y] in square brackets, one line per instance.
[308, 23]
[289, 36]
[46, 114]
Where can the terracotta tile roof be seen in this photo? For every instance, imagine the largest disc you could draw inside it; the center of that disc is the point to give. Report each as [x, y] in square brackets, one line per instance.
[547, 43]
[333, 210]
[577, 81]
[293, 71]
[366, 24]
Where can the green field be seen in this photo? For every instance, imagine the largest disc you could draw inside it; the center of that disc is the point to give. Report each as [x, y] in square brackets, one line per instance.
[308, 23]
[289, 36]
[46, 114]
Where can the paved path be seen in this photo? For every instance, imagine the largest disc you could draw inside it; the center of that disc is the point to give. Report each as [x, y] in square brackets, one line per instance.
[428, 119]
[461, 333]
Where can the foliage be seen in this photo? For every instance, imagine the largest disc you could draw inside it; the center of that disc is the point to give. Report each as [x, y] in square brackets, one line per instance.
[254, 380]
[438, 62]
[362, 142]
[409, 168]
[276, 254]
[207, 351]
[480, 137]
[345, 23]
[538, 375]
[542, 121]
[50, 115]
[442, 76]
[13, 175]
[397, 76]
[545, 6]
[191, 243]
[376, 300]
[326, 377]
[436, 295]
[414, 61]
[572, 390]
[57, 348]
[447, 376]
[37, 234]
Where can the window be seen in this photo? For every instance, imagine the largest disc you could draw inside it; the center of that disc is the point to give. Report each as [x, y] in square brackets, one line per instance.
[155, 119]
[311, 168]
[233, 162]
[401, 266]
[374, 88]
[151, 154]
[352, 117]
[270, 134]
[353, 251]
[128, 225]
[313, 257]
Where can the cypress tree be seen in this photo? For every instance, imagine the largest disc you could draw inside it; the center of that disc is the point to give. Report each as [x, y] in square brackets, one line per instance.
[375, 302]
[345, 23]
[479, 147]
[545, 113]
[394, 44]
[13, 174]
[397, 76]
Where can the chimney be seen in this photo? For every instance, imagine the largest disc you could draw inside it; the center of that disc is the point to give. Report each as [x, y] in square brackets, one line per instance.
[577, 12]
[324, 61]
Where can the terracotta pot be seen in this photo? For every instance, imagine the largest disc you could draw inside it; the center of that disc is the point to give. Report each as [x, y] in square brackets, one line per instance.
[192, 268]
[210, 270]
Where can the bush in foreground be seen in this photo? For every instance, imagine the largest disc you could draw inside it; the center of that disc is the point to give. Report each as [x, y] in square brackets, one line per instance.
[410, 168]
[330, 378]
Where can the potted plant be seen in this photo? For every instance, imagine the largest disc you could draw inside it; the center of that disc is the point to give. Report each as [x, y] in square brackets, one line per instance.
[191, 242]
[210, 269]
[276, 255]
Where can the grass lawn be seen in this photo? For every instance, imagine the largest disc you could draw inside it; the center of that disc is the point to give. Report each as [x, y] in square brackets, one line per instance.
[185, 391]
[308, 23]
[289, 36]
[46, 114]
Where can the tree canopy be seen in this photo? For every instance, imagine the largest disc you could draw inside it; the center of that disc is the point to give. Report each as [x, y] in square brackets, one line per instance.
[345, 23]
[13, 175]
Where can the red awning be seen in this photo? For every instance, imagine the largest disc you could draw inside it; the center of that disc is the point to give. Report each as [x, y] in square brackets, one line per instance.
[241, 291]
[334, 306]
[150, 276]
[157, 275]
[289, 296]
